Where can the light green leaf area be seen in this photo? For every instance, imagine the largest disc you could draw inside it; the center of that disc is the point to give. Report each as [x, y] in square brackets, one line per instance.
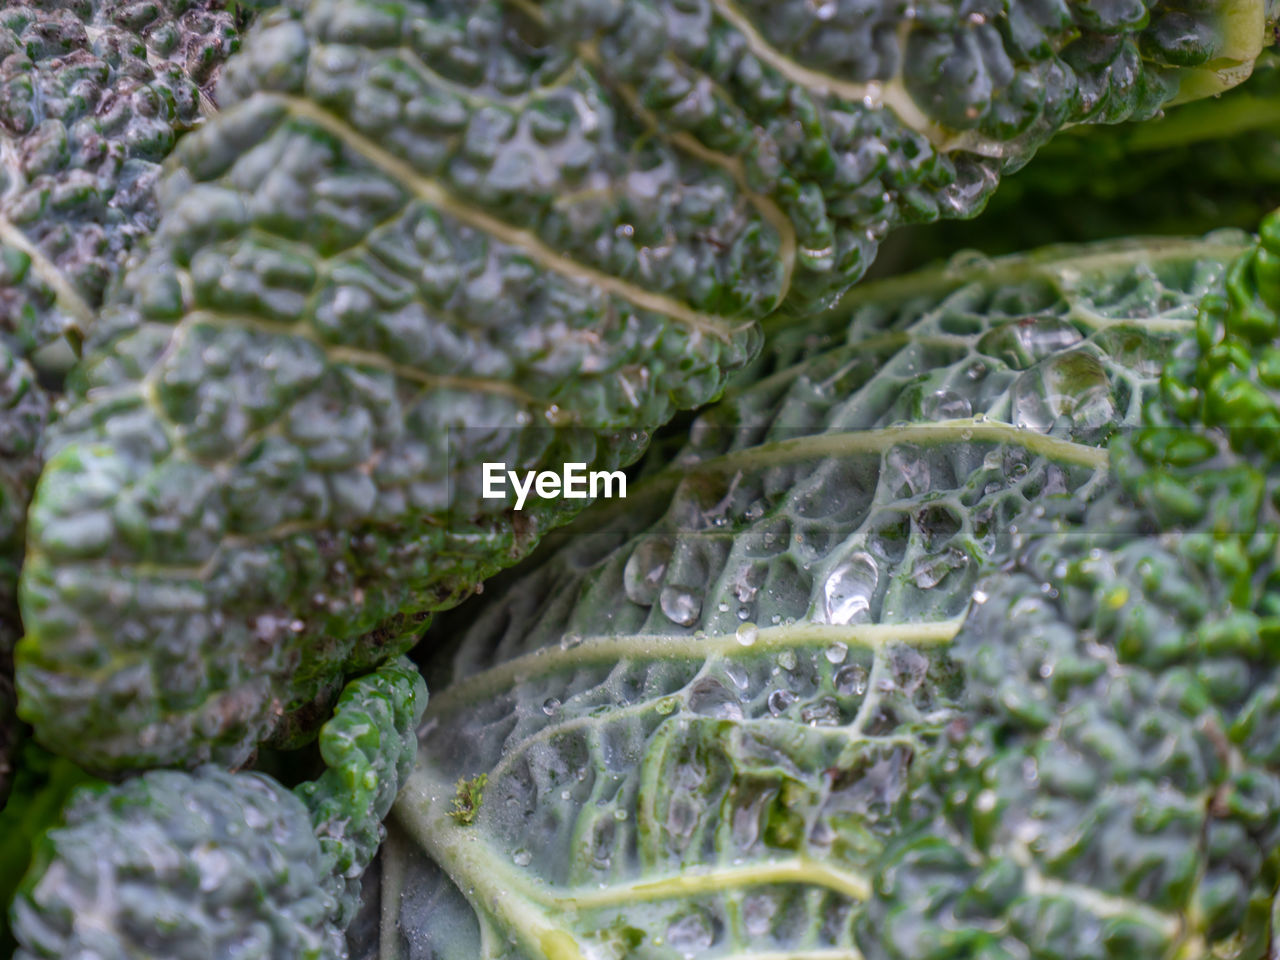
[696, 712]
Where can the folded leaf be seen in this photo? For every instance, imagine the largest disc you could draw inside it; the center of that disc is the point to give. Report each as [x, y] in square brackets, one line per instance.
[93, 95]
[690, 725]
[1202, 166]
[217, 864]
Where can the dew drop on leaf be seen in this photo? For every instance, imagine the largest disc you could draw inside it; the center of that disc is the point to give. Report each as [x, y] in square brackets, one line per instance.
[779, 700]
[837, 652]
[851, 680]
[690, 934]
[757, 913]
[848, 590]
[945, 405]
[823, 713]
[550, 706]
[711, 698]
[645, 568]
[747, 633]
[928, 572]
[680, 605]
[907, 466]
[738, 675]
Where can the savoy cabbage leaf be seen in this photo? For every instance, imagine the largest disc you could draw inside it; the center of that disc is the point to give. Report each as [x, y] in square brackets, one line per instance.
[693, 724]
[423, 235]
[214, 864]
[1111, 788]
[1200, 166]
[93, 95]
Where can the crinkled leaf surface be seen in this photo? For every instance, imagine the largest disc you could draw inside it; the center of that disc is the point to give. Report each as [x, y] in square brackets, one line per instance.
[425, 234]
[1112, 789]
[1201, 166]
[696, 713]
[93, 95]
[216, 864]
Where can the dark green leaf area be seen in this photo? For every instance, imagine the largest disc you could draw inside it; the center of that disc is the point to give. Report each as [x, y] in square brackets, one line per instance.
[1114, 785]
[213, 864]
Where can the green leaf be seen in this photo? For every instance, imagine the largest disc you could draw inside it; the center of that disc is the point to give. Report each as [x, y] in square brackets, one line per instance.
[1134, 810]
[216, 864]
[700, 712]
[93, 96]
[1202, 166]
[423, 237]
[41, 785]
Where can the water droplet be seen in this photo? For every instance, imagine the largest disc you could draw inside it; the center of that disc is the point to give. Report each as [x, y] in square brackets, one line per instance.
[550, 706]
[851, 680]
[747, 634]
[680, 605]
[746, 582]
[712, 698]
[690, 934]
[570, 640]
[824, 713]
[848, 590]
[779, 700]
[619, 815]
[945, 405]
[522, 858]
[837, 652]
[1023, 342]
[758, 910]
[928, 572]
[908, 467]
[787, 660]
[642, 575]
[665, 706]
[738, 675]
